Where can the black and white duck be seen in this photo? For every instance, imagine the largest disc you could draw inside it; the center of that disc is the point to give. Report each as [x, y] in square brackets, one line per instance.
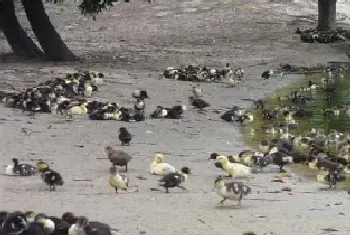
[49, 177]
[176, 179]
[22, 169]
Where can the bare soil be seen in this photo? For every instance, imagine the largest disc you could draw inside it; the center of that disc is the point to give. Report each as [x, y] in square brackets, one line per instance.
[132, 44]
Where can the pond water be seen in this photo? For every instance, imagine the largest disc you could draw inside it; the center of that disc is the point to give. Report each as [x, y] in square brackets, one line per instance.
[320, 100]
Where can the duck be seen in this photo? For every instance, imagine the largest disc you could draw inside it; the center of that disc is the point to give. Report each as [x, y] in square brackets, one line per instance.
[139, 104]
[231, 190]
[197, 91]
[313, 86]
[239, 73]
[198, 103]
[79, 226]
[48, 224]
[159, 167]
[331, 178]
[49, 177]
[140, 94]
[77, 110]
[124, 136]
[264, 146]
[331, 112]
[159, 112]
[266, 74]
[15, 224]
[117, 180]
[118, 157]
[20, 169]
[175, 179]
[88, 90]
[233, 169]
[232, 82]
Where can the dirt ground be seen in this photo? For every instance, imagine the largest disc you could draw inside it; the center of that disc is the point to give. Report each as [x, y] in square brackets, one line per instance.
[132, 44]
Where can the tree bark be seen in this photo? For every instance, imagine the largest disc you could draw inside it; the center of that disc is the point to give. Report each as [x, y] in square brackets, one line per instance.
[51, 42]
[327, 10]
[22, 45]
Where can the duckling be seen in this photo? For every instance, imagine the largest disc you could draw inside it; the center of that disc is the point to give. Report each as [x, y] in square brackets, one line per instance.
[49, 177]
[331, 178]
[233, 169]
[118, 157]
[69, 217]
[139, 104]
[231, 190]
[172, 180]
[197, 91]
[117, 180]
[232, 82]
[77, 110]
[79, 227]
[87, 90]
[239, 73]
[159, 167]
[160, 112]
[124, 136]
[198, 103]
[331, 112]
[20, 169]
[264, 146]
[140, 94]
[15, 224]
[48, 224]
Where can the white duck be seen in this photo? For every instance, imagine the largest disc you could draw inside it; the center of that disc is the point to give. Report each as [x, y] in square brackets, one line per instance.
[159, 167]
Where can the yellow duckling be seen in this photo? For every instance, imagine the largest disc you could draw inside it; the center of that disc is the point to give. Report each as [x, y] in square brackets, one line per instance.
[78, 110]
[117, 180]
[159, 167]
[87, 90]
[233, 169]
[117, 115]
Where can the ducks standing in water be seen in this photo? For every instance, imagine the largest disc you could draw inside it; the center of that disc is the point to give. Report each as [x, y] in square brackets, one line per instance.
[20, 169]
[231, 190]
[49, 177]
[118, 157]
[124, 136]
[173, 180]
[117, 180]
[159, 167]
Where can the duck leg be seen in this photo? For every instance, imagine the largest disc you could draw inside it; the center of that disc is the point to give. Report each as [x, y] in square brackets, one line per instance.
[282, 170]
[222, 201]
[166, 189]
[126, 167]
[116, 190]
[182, 187]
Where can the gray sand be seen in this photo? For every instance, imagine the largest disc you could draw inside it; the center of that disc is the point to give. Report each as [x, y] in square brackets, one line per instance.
[157, 37]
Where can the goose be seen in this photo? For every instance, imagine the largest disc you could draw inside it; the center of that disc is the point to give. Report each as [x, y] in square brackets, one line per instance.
[118, 157]
[233, 169]
[197, 91]
[49, 177]
[172, 180]
[124, 136]
[117, 180]
[20, 169]
[231, 190]
[159, 167]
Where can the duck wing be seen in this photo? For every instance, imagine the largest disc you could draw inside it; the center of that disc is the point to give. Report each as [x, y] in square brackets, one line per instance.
[26, 169]
[237, 188]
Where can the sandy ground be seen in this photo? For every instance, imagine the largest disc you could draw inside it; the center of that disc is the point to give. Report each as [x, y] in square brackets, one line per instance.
[146, 39]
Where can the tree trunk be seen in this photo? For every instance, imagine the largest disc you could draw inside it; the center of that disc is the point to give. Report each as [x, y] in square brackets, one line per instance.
[49, 39]
[327, 10]
[22, 45]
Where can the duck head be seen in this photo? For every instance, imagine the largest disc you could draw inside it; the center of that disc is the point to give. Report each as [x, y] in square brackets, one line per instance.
[30, 216]
[109, 149]
[213, 156]
[186, 170]
[219, 182]
[123, 130]
[222, 159]
[113, 170]
[42, 166]
[69, 217]
[159, 158]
